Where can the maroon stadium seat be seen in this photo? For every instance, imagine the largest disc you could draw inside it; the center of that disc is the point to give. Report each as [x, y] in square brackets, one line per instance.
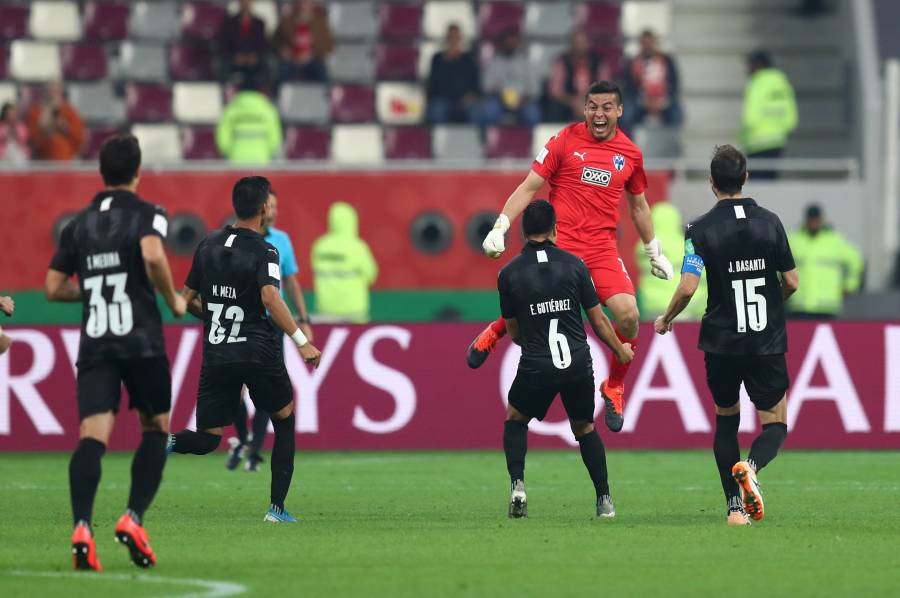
[307, 143]
[407, 143]
[106, 20]
[95, 138]
[598, 19]
[400, 20]
[202, 19]
[29, 93]
[199, 143]
[148, 102]
[397, 62]
[496, 17]
[612, 58]
[4, 59]
[190, 61]
[83, 61]
[508, 142]
[352, 103]
[13, 21]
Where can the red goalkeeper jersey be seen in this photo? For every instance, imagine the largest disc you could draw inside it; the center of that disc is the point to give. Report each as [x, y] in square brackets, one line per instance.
[586, 180]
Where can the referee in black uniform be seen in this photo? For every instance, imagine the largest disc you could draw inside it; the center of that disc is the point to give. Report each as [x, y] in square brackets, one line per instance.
[542, 293]
[750, 273]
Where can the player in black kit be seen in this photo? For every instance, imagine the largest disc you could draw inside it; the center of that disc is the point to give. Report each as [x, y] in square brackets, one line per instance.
[750, 273]
[234, 287]
[115, 246]
[542, 293]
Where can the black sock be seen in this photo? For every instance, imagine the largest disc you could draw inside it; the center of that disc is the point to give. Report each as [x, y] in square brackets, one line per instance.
[766, 445]
[240, 422]
[188, 442]
[260, 428]
[593, 453]
[146, 473]
[727, 451]
[515, 445]
[84, 477]
[282, 459]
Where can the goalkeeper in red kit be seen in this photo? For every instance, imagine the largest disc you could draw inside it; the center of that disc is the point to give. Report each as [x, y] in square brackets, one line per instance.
[588, 165]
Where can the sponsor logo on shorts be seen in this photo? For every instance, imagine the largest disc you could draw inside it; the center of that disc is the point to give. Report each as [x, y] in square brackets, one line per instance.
[596, 176]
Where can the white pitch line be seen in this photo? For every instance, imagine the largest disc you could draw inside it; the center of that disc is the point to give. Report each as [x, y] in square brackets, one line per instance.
[213, 589]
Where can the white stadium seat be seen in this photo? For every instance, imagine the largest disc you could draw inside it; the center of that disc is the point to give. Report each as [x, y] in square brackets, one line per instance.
[400, 103]
[357, 144]
[439, 14]
[56, 20]
[34, 61]
[542, 133]
[7, 92]
[197, 103]
[267, 10]
[352, 19]
[456, 142]
[548, 19]
[654, 15]
[304, 103]
[159, 143]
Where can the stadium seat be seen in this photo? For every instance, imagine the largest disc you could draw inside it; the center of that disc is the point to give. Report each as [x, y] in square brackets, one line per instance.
[267, 10]
[655, 15]
[29, 93]
[13, 21]
[357, 144]
[307, 143]
[154, 20]
[400, 103]
[83, 61]
[4, 61]
[34, 61]
[542, 133]
[440, 13]
[54, 20]
[8, 92]
[397, 62]
[142, 62]
[159, 143]
[96, 102]
[399, 20]
[496, 17]
[507, 142]
[407, 143]
[202, 19]
[105, 21]
[148, 102]
[197, 103]
[550, 20]
[95, 138]
[304, 103]
[199, 143]
[190, 61]
[612, 56]
[427, 50]
[352, 62]
[352, 19]
[598, 19]
[456, 142]
[352, 103]
[542, 54]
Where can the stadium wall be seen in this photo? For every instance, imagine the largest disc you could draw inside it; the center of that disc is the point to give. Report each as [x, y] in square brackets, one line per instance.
[407, 387]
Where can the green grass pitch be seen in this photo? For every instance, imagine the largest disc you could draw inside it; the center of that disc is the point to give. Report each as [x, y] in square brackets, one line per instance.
[434, 524]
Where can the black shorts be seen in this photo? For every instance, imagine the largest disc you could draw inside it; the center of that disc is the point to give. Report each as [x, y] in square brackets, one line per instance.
[220, 390]
[533, 399]
[147, 380]
[764, 376]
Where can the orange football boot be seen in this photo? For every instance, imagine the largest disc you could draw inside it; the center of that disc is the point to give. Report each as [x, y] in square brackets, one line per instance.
[614, 397]
[84, 551]
[135, 538]
[481, 347]
[751, 493]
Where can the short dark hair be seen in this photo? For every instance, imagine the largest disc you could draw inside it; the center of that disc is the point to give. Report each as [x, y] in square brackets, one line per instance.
[603, 86]
[120, 159]
[249, 196]
[728, 169]
[760, 57]
[539, 218]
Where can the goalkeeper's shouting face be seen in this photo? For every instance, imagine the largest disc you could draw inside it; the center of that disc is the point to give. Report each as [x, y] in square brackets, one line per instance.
[602, 109]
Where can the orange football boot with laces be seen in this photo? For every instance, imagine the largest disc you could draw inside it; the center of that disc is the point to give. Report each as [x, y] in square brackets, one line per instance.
[614, 397]
[84, 551]
[135, 538]
[481, 347]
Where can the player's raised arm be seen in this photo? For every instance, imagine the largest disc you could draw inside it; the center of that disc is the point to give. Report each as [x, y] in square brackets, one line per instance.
[660, 266]
[160, 274]
[281, 315]
[494, 243]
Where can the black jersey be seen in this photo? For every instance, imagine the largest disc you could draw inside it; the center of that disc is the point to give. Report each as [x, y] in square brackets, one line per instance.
[102, 244]
[544, 289]
[744, 248]
[230, 268]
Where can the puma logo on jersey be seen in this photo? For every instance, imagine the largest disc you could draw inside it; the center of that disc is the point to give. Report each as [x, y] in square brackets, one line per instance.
[596, 176]
[581, 155]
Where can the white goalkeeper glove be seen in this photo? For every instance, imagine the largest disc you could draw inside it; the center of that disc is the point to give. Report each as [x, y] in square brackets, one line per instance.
[660, 266]
[494, 244]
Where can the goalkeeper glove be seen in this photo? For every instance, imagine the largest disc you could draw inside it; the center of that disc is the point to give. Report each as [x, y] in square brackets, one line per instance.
[494, 244]
[660, 266]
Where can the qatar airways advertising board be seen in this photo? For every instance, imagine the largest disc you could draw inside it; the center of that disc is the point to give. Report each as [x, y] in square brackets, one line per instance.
[396, 386]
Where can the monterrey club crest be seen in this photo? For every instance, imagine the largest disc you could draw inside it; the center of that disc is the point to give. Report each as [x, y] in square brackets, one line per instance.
[619, 162]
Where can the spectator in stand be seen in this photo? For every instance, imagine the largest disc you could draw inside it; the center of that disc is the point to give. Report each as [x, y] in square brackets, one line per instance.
[651, 85]
[453, 82]
[54, 127]
[770, 112]
[570, 76]
[510, 84]
[242, 39]
[250, 129]
[13, 136]
[303, 42]
[827, 263]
